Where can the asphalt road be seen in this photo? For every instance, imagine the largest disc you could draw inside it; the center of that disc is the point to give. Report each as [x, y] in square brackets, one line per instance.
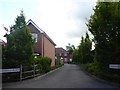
[68, 76]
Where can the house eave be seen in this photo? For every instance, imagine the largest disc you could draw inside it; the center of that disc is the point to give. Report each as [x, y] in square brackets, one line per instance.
[30, 21]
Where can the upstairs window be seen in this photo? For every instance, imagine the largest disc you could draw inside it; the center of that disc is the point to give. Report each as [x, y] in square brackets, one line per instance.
[35, 37]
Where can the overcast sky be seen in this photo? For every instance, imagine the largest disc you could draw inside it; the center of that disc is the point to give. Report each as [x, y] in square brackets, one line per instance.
[62, 20]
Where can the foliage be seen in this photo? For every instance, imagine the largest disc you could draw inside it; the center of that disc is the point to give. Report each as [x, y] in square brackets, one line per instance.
[84, 50]
[94, 69]
[83, 53]
[58, 60]
[44, 63]
[76, 56]
[104, 24]
[70, 48]
[19, 49]
[57, 66]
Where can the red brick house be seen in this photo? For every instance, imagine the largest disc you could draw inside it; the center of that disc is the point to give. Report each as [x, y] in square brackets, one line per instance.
[44, 46]
[62, 53]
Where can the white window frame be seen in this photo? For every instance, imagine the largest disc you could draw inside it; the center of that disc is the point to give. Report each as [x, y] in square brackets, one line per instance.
[35, 37]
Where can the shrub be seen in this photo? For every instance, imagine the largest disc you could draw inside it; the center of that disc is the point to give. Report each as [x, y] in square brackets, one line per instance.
[44, 63]
[94, 69]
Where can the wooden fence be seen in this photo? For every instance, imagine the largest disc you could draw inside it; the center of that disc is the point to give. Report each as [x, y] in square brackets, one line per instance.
[24, 73]
[33, 72]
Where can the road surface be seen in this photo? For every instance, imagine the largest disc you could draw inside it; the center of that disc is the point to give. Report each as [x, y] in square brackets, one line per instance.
[68, 76]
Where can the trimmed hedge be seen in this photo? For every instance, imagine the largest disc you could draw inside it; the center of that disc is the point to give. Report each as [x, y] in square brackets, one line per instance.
[44, 63]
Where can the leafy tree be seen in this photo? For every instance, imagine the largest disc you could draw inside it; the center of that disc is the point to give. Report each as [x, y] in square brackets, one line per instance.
[76, 56]
[104, 24]
[58, 60]
[19, 49]
[85, 50]
[83, 53]
[70, 48]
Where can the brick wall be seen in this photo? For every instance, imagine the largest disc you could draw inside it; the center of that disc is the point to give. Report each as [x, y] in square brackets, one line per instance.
[49, 50]
[43, 45]
[38, 44]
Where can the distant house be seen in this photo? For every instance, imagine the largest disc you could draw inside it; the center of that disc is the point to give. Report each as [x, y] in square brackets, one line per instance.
[70, 57]
[62, 53]
[44, 46]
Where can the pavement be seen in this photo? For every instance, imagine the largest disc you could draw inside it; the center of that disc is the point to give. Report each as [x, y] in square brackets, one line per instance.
[68, 76]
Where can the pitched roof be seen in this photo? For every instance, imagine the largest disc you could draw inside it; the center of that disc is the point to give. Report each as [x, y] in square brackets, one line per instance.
[30, 21]
[60, 49]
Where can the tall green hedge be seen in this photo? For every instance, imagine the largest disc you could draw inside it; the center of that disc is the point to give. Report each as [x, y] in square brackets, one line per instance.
[44, 63]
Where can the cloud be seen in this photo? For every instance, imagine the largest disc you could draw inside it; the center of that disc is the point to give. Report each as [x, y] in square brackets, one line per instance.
[80, 14]
[85, 9]
[63, 20]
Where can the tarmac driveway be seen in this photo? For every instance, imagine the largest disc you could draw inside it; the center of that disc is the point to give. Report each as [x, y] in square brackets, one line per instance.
[68, 76]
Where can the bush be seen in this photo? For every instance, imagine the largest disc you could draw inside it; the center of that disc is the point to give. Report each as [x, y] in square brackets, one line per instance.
[57, 66]
[94, 69]
[44, 63]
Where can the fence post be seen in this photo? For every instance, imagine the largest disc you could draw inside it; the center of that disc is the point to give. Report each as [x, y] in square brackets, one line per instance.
[34, 69]
[20, 72]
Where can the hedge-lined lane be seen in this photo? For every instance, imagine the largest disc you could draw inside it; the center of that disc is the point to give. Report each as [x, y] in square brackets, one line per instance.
[69, 76]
